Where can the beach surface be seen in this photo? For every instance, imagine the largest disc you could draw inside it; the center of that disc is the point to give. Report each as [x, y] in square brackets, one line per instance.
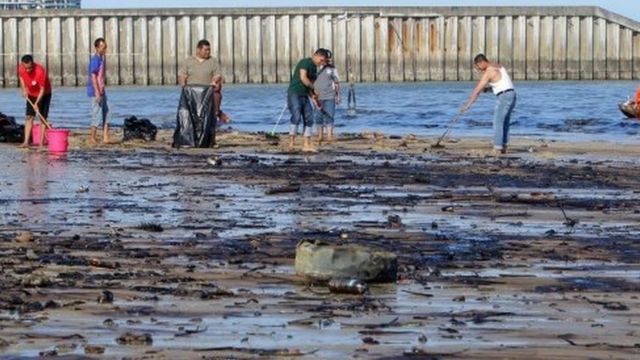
[139, 250]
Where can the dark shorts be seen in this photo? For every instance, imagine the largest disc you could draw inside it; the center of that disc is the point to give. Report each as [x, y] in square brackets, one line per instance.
[44, 106]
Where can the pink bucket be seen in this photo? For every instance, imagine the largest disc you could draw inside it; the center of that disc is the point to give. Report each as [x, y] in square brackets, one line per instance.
[35, 135]
[58, 140]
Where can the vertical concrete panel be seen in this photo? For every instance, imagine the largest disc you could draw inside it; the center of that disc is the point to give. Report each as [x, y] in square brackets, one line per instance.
[212, 33]
[141, 51]
[626, 54]
[396, 50]
[546, 48]
[36, 31]
[382, 48]
[505, 50]
[2, 84]
[10, 51]
[613, 51]
[54, 50]
[368, 48]
[451, 48]
[636, 56]
[436, 48]
[479, 45]
[465, 40]
[353, 47]
[573, 48]
[198, 32]
[155, 50]
[185, 46]
[240, 50]
[84, 49]
[599, 49]
[586, 48]
[113, 59]
[422, 49]
[255, 49]
[125, 39]
[283, 46]
[169, 51]
[97, 29]
[408, 40]
[533, 48]
[325, 32]
[520, 48]
[560, 48]
[69, 52]
[297, 40]
[226, 49]
[492, 38]
[269, 48]
[26, 39]
[310, 34]
[340, 46]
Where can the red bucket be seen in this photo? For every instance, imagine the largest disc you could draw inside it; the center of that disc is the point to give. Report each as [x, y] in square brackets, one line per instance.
[35, 135]
[58, 140]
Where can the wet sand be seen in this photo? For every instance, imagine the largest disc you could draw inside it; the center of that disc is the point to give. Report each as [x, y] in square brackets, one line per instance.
[530, 255]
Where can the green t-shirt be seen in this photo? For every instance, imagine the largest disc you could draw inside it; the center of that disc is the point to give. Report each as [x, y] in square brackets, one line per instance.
[296, 86]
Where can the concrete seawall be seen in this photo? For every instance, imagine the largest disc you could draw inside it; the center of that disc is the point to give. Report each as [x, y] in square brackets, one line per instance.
[260, 45]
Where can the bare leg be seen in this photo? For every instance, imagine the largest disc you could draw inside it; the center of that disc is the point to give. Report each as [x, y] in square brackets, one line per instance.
[330, 133]
[43, 130]
[28, 126]
[105, 134]
[93, 140]
[292, 142]
[307, 147]
[320, 133]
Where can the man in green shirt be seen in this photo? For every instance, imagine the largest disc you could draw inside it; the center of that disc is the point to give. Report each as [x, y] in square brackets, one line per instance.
[300, 89]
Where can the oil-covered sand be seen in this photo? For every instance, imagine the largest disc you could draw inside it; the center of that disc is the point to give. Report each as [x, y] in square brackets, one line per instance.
[142, 251]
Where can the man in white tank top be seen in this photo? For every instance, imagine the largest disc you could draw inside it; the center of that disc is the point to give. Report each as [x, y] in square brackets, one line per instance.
[496, 77]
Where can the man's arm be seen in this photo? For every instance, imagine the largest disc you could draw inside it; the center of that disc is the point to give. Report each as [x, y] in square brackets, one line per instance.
[96, 86]
[25, 93]
[482, 83]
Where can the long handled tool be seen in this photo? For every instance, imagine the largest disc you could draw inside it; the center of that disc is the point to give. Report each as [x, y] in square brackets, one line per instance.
[273, 131]
[42, 118]
[451, 123]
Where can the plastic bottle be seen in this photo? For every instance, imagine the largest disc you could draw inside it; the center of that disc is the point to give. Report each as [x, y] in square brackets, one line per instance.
[348, 286]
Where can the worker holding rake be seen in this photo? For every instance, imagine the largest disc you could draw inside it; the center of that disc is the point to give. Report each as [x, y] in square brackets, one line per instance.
[36, 88]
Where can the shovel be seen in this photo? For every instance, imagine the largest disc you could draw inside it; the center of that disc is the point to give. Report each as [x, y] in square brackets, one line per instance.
[273, 131]
[42, 118]
[437, 145]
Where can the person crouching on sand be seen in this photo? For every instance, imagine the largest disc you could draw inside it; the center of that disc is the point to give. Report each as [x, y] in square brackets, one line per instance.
[495, 76]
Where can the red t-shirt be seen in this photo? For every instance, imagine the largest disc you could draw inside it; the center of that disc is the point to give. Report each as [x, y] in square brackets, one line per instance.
[35, 80]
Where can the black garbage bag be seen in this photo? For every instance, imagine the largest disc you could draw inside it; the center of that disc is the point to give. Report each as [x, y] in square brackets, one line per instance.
[10, 131]
[196, 121]
[141, 129]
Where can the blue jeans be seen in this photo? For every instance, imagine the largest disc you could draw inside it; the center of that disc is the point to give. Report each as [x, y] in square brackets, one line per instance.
[325, 117]
[502, 118]
[100, 113]
[301, 111]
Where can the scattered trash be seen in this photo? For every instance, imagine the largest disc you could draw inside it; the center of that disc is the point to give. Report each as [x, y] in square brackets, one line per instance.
[291, 188]
[214, 160]
[25, 237]
[150, 227]
[320, 261]
[106, 297]
[348, 286]
[10, 131]
[131, 338]
[394, 222]
[139, 129]
[94, 349]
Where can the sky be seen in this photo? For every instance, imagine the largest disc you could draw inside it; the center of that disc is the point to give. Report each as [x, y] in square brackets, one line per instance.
[629, 8]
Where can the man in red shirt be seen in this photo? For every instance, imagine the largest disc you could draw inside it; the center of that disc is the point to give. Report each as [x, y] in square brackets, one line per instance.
[37, 87]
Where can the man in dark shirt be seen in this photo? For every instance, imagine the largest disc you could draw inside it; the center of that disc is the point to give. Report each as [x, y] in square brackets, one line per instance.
[300, 89]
